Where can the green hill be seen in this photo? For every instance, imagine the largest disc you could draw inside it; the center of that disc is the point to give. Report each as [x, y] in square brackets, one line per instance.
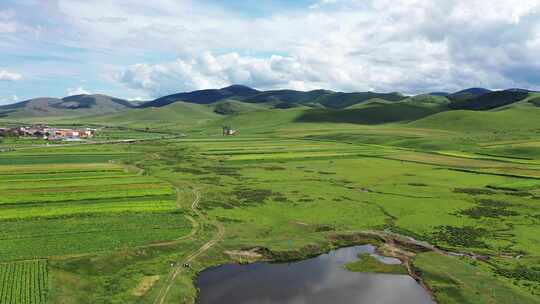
[490, 100]
[368, 103]
[287, 96]
[180, 115]
[77, 105]
[343, 100]
[373, 114]
[260, 122]
[230, 107]
[520, 117]
[535, 101]
[278, 98]
[428, 100]
[467, 94]
[204, 96]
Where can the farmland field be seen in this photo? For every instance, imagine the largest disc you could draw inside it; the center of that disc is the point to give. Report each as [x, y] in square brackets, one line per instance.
[23, 282]
[121, 219]
[58, 202]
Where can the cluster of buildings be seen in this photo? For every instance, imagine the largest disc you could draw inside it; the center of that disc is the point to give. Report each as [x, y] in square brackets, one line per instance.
[47, 133]
[228, 131]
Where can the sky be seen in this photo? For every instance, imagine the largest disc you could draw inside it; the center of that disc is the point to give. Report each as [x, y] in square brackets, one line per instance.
[140, 49]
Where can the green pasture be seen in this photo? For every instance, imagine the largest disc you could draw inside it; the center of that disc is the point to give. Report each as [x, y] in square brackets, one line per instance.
[114, 219]
[461, 280]
[273, 193]
[367, 263]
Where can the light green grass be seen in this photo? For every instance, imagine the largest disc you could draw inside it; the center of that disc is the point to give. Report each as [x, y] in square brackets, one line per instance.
[367, 263]
[455, 280]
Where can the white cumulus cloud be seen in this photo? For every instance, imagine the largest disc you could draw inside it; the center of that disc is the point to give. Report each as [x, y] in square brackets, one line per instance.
[210, 71]
[386, 45]
[76, 91]
[410, 46]
[9, 76]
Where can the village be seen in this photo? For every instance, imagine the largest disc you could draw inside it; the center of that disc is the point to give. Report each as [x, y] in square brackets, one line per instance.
[47, 133]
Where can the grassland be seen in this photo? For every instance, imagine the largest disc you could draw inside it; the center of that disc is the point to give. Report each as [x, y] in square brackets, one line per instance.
[456, 280]
[367, 263]
[272, 192]
[116, 222]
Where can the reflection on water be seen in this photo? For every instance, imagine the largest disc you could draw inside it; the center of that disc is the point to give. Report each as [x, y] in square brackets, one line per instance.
[315, 281]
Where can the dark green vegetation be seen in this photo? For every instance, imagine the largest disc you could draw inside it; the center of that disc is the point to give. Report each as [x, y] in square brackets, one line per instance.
[117, 221]
[68, 201]
[371, 114]
[535, 101]
[489, 101]
[454, 280]
[325, 98]
[23, 282]
[467, 94]
[367, 263]
[84, 205]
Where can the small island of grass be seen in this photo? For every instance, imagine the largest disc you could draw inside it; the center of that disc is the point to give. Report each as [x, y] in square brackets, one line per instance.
[368, 263]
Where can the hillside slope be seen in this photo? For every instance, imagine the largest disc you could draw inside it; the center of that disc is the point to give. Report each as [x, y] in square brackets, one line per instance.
[343, 100]
[77, 105]
[372, 114]
[467, 94]
[276, 98]
[180, 115]
[489, 100]
[231, 107]
[519, 117]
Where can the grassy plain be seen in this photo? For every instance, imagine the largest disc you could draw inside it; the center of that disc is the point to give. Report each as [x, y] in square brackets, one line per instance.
[273, 192]
[117, 221]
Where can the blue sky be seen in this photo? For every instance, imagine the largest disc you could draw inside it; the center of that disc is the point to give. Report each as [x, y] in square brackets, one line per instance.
[144, 49]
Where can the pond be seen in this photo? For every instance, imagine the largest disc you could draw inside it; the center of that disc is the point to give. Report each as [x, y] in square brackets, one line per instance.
[322, 279]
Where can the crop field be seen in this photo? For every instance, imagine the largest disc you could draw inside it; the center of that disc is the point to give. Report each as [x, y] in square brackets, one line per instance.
[67, 208]
[119, 219]
[62, 202]
[23, 282]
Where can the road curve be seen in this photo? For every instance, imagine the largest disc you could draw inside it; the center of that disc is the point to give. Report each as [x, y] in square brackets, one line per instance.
[179, 268]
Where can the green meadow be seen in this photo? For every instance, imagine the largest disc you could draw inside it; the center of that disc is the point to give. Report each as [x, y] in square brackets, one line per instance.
[115, 222]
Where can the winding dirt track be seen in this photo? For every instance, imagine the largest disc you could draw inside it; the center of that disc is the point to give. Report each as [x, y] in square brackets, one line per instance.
[179, 268]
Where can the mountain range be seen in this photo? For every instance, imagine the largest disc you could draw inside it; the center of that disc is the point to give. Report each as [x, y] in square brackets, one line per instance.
[236, 99]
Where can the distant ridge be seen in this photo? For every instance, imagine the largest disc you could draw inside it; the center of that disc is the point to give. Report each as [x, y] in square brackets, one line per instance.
[203, 96]
[490, 100]
[277, 98]
[75, 105]
[238, 99]
[442, 94]
[467, 94]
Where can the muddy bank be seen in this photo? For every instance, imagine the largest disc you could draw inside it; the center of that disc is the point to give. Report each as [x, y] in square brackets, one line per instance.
[387, 244]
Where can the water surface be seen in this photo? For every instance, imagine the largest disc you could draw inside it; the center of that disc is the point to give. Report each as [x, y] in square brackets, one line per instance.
[320, 280]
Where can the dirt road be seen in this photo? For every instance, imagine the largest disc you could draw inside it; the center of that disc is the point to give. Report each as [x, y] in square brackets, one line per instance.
[179, 268]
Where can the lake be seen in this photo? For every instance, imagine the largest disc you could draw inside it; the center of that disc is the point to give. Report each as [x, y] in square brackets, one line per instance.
[319, 280]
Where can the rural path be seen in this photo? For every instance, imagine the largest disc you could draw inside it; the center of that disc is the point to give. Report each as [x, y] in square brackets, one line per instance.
[179, 268]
